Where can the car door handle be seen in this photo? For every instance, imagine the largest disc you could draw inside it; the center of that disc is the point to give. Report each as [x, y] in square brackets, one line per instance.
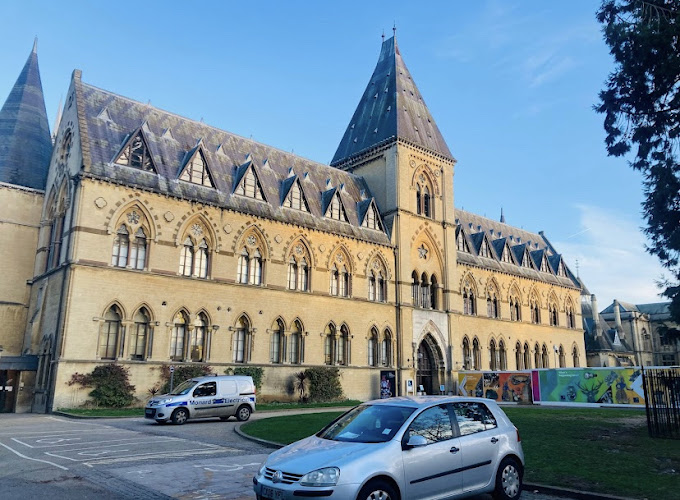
[494, 440]
[454, 449]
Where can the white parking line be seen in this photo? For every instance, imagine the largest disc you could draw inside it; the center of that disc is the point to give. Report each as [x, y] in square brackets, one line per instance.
[92, 451]
[164, 455]
[34, 459]
[52, 442]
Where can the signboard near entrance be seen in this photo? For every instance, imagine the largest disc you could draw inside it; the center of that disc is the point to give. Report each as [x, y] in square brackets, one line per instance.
[387, 383]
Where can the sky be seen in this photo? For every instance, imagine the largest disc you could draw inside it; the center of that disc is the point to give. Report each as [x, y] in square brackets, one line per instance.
[510, 84]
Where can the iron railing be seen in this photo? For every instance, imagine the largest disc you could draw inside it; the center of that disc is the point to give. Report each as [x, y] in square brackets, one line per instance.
[662, 401]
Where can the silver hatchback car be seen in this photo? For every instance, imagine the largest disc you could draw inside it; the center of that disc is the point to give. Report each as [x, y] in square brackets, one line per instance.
[402, 448]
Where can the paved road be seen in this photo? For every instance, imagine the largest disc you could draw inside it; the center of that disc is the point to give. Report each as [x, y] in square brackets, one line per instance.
[67, 459]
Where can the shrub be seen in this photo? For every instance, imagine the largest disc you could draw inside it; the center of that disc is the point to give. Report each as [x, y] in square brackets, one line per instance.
[111, 384]
[324, 383]
[256, 372]
[182, 373]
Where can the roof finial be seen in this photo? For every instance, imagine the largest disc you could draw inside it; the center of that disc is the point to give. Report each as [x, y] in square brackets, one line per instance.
[35, 45]
[502, 216]
[578, 268]
[394, 29]
[383, 35]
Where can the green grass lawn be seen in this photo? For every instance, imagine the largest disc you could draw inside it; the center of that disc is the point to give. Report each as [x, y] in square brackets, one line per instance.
[601, 450]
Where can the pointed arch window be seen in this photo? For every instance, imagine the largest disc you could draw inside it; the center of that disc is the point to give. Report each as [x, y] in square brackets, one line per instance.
[371, 286]
[427, 209]
[574, 356]
[562, 357]
[194, 258]
[382, 287]
[329, 344]
[373, 348]
[386, 349]
[419, 200]
[242, 341]
[561, 270]
[295, 343]
[336, 209]
[544, 265]
[461, 243]
[292, 273]
[250, 268]
[492, 304]
[425, 292]
[186, 257]
[484, 250]
[537, 357]
[197, 171]
[527, 357]
[505, 256]
[121, 247]
[467, 355]
[371, 218]
[552, 312]
[277, 343]
[526, 261]
[197, 338]
[256, 268]
[296, 198]
[110, 332]
[476, 355]
[535, 311]
[423, 199]
[178, 336]
[136, 154]
[340, 281]
[335, 279]
[515, 309]
[250, 185]
[433, 292]
[140, 334]
[415, 289]
[502, 356]
[298, 269]
[493, 363]
[545, 359]
[469, 305]
[343, 346]
[243, 263]
[138, 249]
[519, 360]
[571, 320]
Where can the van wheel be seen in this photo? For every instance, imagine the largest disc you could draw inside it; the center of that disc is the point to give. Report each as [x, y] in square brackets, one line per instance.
[508, 480]
[180, 416]
[243, 413]
[378, 490]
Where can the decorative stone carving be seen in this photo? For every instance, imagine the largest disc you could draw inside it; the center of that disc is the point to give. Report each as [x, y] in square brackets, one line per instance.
[422, 251]
[299, 250]
[412, 163]
[376, 264]
[278, 238]
[100, 202]
[360, 256]
[227, 228]
[196, 230]
[251, 241]
[168, 216]
[133, 217]
[339, 258]
[322, 248]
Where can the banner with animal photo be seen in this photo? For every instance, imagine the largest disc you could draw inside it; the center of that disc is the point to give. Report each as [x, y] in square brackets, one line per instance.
[620, 386]
[504, 387]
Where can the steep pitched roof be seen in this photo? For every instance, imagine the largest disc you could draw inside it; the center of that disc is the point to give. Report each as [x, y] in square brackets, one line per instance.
[25, 142]
[391, 108]
[228, 156]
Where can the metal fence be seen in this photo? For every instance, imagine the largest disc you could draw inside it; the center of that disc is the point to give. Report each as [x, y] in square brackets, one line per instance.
[662, 400]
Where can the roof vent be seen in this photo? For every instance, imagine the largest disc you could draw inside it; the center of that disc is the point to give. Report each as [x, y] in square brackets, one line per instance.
[389, 108]
[352, 127]
[329, 184]
[375, 131]
[104, 115]
[167, 134]
[266, 164]
[491, 231]
[290, 173]
[355, 140]
[375, 96]
[364, 196]
[249, 158]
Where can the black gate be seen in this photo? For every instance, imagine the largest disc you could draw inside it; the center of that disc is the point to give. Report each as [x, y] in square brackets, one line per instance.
[662, 400]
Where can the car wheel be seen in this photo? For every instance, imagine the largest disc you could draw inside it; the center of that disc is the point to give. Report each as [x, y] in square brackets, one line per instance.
[243, 413]
[508, 480]
[180, 416]
[377, 490]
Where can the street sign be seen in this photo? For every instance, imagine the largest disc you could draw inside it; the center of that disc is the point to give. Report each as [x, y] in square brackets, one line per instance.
[172, 369]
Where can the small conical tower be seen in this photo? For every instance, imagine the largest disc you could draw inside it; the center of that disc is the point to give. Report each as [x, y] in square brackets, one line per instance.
[25, 142]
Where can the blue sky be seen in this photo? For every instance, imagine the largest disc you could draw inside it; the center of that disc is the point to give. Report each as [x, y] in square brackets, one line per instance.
[511, 86]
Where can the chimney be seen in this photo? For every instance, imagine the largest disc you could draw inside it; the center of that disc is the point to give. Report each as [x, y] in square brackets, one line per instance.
[617, 316]
[596, 317]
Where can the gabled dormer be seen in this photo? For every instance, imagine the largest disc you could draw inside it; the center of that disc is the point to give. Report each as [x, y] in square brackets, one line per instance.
[480, 242]
[136, 153]
[558, 266]
[247, 181]
[195, 168]
[294, 195]
[541, 260]
[462, 244]
[369, 215]
[502, 248]
[522, 256]
[332, 205]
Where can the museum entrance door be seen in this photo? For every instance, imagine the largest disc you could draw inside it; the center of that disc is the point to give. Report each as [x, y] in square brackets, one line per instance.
[430, 364]
[8, 390]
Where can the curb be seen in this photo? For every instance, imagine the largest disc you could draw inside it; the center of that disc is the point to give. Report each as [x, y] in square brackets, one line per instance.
[88, 417]
[263, 442]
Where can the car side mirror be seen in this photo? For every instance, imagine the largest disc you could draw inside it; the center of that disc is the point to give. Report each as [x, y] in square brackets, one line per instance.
[415, 441]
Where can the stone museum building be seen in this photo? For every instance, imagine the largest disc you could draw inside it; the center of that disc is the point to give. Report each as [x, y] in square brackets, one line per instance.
[140, 237]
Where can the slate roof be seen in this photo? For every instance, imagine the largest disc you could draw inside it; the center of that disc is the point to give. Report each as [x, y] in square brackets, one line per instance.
[25, 142]
[110, 120]
[476, 226]
[604, 342]
[391, 108]
[656, 310]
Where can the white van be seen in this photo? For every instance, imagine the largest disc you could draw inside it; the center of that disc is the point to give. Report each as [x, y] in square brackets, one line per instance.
[220, 396]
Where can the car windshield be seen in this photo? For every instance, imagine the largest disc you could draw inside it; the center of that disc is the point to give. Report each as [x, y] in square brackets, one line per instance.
[367, 424]
[183, 388]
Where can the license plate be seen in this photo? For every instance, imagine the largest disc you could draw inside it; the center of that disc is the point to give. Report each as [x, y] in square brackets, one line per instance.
[149, 411]
[271, 493]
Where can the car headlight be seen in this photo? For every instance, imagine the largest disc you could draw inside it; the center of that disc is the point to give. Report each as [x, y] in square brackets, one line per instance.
[261, 471]
[327, 476]
[163, 401]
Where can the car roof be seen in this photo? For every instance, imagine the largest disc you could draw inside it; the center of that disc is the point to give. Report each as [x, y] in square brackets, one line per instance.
[425, 401]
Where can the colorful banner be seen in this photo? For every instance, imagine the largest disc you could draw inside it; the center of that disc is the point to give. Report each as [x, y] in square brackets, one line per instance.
[504, 387]
[621, 386]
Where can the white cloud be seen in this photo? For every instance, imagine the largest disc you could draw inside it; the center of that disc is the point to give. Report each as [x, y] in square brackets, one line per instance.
[611, 257]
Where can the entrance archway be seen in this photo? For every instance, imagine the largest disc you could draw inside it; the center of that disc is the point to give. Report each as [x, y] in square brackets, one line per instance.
[430, 368]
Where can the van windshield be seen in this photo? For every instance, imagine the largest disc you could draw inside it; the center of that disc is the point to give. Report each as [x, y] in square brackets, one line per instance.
[367, 424]
[183, 388]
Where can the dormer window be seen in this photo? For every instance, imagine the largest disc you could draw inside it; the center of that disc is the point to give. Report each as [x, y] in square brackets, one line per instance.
[197, 171]
[336, 210]
[484, 250]
[296, 198]
[505, 257]
[136, 154]
[544, 266]
[371, 218]
[250, 185]
[461, 243]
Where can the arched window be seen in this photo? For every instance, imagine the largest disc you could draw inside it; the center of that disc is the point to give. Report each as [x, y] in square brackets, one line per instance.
[563, 361]
[108, 338]
[419, 200]
[515, 309]
[371, 286]
[295, 343]
[303, 276]
[186, 257]
[571, 319]
[646, 340]
[276, 345]
[201, 260]
[424, 292]
[467, 356]
[292, 273]
[343, 346]
[493, 365]
[545, 357]
[433, 292]
[121, 247]
[329, 345]
[138, 250]
[552, 311]
[386, 349]
[197, 338]
[335, 280]
[140, 334]
[382, 287]
[256, 268]
[415, 289]
[502, 356]
[243, 262]
[427, 212]
[193, 259]
[250, 267]
[476, 355]
[537, 357]
[527, 357]
[373, 348]
[469, 306]
[519, 360]
[179, 330]
[492, 306]
[242, 341]
[574, 355]
[535, 311]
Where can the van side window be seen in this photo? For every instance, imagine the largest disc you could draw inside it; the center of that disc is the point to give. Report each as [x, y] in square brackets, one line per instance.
[207, 389]
[473, 417]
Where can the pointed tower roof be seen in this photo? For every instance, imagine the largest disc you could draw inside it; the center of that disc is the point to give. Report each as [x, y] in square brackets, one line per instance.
[25, 142]
[390, 109]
